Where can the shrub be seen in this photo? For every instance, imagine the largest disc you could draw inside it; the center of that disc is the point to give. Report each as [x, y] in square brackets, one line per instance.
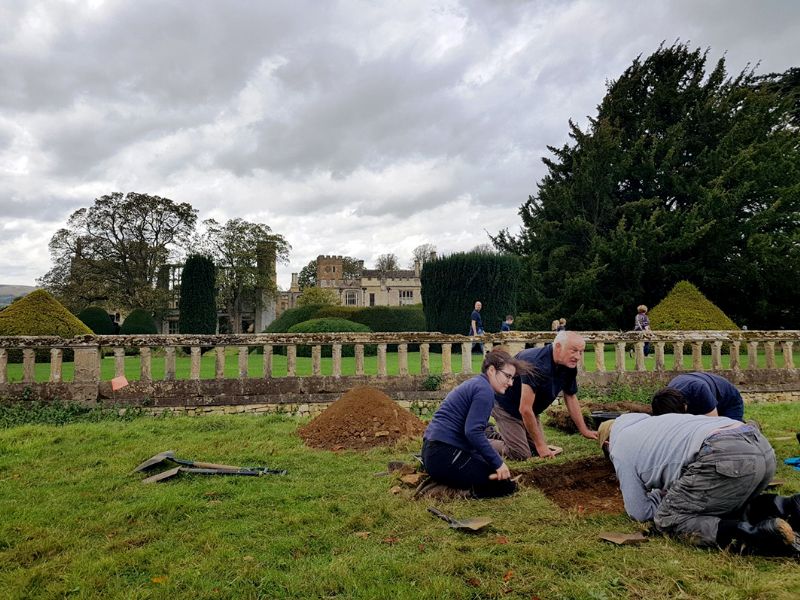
[96, 318]
[39, 313]
[197, 303]
[392, 318]
[139, 321]
[452, 284]
[337, 312]
[685, 308]
[331, 326]
[291, 317]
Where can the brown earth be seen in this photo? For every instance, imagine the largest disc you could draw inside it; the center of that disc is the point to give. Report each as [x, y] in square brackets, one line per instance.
[560, 419]
[364, 417]
[585, 486]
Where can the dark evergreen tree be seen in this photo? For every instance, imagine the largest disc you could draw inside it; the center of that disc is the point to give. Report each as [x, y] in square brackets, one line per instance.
[682, 174]
[452, 284]
[197, 304]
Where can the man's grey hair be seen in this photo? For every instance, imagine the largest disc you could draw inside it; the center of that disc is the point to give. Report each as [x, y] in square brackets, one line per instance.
[563, 336]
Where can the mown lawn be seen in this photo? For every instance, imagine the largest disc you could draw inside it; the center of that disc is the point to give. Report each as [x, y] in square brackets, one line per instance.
[303, 368]
[75, 523]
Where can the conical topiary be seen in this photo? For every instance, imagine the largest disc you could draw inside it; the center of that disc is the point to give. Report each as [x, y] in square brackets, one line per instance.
[39, 313]
[685, 308]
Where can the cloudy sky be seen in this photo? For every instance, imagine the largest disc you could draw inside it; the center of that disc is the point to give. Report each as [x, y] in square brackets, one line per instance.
[350, 127]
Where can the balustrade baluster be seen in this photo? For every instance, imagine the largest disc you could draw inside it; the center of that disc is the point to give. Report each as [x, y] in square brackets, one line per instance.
[28, 365]
[735, 348]
[194, 369]
[359, 352]
[219, 362]
[677, 352]
[119, 362]
[244, 356]
[291, 360]
[382, 360]
[56, 361]
[788, 356]
[752, 355]
[146, 364]
[336, 360]
[424, 359]
[3, 365]
[169, 363]
[466, 358]
[697, 356]
[267, 361]
[769, 354]
[402, 359]
[716, 355]
[639, 356]
[619, 357]
[660, 365]
[316, 360]
[600, 357]
[447, 359]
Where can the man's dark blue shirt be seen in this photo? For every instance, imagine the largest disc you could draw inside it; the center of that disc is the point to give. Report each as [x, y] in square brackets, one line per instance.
[547, 381]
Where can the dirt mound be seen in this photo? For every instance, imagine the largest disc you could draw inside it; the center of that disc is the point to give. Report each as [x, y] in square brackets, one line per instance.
[363, 417]
[586, 486]
[560, 419]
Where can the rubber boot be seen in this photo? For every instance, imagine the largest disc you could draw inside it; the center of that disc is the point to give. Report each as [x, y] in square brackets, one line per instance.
[770, 536]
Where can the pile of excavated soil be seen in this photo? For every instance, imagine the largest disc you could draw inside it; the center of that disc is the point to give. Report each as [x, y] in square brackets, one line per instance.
[362, 418]
[560, 419]
[585, 486]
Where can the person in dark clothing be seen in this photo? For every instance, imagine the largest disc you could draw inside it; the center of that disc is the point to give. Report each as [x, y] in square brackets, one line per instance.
[455, 449]
[476, 324]
[506, 325]
[699, 394]
[517, 410]
[642, 323]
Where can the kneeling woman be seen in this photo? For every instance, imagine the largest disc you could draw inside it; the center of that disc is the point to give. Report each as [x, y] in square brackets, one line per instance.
[455, 449]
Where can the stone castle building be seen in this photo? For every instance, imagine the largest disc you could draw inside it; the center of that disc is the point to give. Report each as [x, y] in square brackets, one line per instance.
[370, 287]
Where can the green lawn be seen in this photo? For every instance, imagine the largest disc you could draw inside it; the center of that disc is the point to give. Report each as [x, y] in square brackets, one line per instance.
[255, 365]
[75, 524]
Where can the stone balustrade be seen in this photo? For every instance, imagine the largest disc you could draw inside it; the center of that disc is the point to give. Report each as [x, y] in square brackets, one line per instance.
[742, 347]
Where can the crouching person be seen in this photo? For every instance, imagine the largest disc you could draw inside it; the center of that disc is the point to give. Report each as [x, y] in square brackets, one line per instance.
[694, 477]
[455, 449]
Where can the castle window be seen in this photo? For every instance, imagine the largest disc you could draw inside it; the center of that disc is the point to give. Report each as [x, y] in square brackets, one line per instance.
[351, 298]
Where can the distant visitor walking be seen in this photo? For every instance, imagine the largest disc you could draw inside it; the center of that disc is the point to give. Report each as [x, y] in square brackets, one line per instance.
[476, 324]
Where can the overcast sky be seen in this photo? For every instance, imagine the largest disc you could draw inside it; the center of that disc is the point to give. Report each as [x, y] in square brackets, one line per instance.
[352, 127]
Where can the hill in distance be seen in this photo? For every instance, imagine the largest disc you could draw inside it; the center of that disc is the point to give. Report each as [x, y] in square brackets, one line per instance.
[9, 292]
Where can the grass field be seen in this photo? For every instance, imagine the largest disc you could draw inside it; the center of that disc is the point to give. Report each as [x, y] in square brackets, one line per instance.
[256, 365]
[75, 524]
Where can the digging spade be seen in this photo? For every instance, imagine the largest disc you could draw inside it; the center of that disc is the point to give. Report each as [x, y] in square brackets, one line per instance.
[169, 455]
[233, 471]
[474, 524]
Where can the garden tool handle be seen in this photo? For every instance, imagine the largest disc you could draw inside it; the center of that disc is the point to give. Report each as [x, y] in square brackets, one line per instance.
[441, 515]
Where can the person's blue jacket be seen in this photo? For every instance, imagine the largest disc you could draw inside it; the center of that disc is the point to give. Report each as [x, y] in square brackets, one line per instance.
[462, 418]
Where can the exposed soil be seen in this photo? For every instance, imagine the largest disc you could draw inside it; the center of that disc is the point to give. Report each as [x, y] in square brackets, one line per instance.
[585, 486]
[364, 417]
[560, 419]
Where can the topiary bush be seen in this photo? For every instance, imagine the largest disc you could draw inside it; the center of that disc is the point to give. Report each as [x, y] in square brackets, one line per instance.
[138, 322]
[96, 318]
[332, 325]
[38, 313]
[292, 316]
[337, 312]
[685, 308]
[392, 318]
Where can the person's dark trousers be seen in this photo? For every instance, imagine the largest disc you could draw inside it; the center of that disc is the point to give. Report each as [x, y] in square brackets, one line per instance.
[647, 348]
[459, 469]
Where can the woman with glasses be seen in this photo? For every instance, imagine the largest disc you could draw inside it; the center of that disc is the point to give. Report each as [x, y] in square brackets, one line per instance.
[455, 449]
